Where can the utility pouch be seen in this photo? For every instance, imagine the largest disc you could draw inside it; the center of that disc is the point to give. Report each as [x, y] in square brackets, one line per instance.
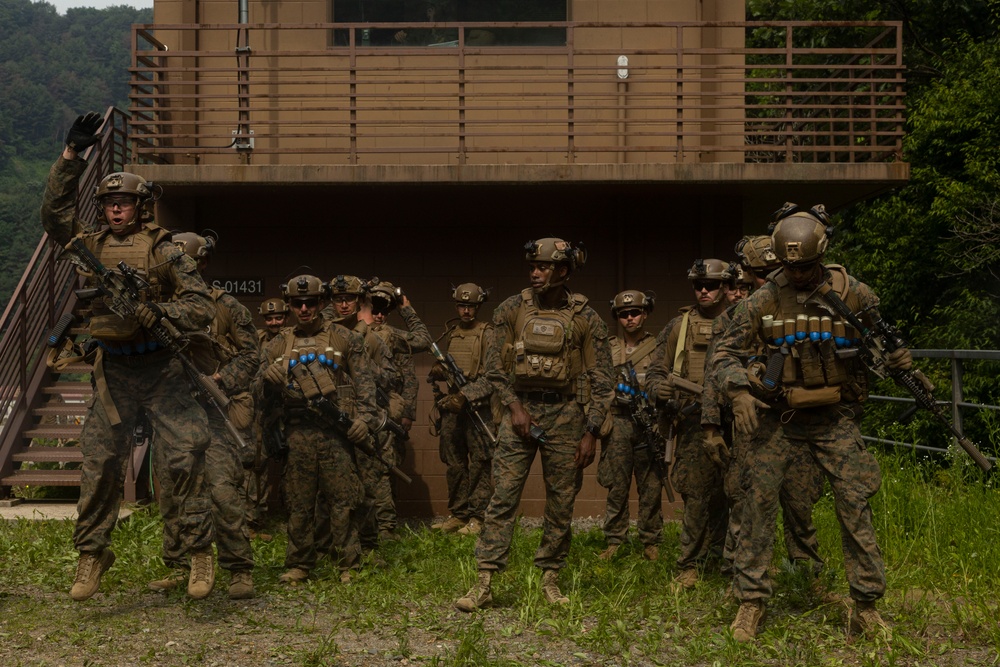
[800, 397]
[812, 368]
[833, 367]
[240, 410]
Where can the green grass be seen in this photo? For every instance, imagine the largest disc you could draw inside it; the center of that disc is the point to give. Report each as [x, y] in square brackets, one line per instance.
[937, 529]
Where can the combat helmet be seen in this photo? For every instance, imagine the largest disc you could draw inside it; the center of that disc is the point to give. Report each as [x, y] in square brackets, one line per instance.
[631, 298]
[710, 269]
[122, 182]
[470, 293]
[385, 297]
[196, 246]
[801, 237]
[273, 307]
[755, 253]
[304, 286]
[557, 251]
[740, 277]
[342, 284]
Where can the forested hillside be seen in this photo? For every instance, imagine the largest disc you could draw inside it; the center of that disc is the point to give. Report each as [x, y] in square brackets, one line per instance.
[51, 68]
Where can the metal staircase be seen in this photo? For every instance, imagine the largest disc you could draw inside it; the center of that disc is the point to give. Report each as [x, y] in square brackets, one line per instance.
[42, 411]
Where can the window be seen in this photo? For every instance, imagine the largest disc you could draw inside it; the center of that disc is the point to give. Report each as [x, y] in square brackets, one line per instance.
[450, 11]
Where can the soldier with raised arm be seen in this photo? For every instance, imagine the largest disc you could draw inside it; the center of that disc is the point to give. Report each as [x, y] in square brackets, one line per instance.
[133, 372]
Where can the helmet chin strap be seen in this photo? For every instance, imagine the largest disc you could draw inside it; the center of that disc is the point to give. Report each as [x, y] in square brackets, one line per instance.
[550, 284]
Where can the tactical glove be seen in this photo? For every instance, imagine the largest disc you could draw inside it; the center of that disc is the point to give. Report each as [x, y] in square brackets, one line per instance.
[83, 133]
[452, 402]
[358, 432]
[745, 412]
[437, 373]
[900, 360]
[149, 314]
[665, 392]
[716, 449]
[276, 373]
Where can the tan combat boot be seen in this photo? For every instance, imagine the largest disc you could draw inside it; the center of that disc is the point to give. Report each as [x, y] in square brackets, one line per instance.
[169, 582]
[241, 585]
[449, 525]
[609, 552]
[89, 569]
[550, 588]
[294, 576]
[865, 620]
[479, 595]
[748, 620]
[687, 578]
[202, 578]
[651, 552]
[474, 527]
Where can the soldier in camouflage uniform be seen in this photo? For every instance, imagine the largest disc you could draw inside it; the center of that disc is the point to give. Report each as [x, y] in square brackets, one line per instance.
[275, 314]
[814, 405]
[466, 451]
[385, 298]
[803, 485]
[229, 355]
[698, 472]
[551, 366]
[348, 295]
[132, 372]
[624, 453]
[267, 431]
[321, 457]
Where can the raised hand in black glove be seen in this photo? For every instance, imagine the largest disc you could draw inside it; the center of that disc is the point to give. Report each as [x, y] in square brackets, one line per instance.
[83, 134]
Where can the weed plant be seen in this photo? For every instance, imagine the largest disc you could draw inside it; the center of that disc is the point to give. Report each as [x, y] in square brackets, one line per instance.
[937, 529]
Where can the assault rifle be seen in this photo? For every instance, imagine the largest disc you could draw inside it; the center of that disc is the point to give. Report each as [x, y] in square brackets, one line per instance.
[382, 400]
[122, 293]
[882, 340]
[331, 416]
[456, 380]
[643, 415]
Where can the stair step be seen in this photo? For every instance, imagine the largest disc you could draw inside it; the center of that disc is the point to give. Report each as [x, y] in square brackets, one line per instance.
[53, 431]
[77, 388]
[79, 367]
[61, 410]
[42, 478]
[48, 454]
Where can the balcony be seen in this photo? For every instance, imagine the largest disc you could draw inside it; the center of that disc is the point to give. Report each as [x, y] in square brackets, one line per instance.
[605, 101]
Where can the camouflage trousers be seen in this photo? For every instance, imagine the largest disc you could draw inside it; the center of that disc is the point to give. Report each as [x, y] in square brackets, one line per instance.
[468, 458]
[365, 538]
[622, 457]
[162, 390]
[563, 424]
[223, 483]
[701, 485]
[320, 462]
[801, 490]
[831, 436]
[393, 451]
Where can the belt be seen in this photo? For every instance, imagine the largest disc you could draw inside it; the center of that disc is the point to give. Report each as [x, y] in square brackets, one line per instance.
[545, 396]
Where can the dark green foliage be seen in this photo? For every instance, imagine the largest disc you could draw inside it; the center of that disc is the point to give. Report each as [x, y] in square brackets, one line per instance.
[52, 68]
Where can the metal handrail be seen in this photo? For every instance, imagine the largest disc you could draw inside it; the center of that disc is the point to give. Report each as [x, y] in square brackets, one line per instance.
[43, 294]
[344, 101]
[957, 402]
